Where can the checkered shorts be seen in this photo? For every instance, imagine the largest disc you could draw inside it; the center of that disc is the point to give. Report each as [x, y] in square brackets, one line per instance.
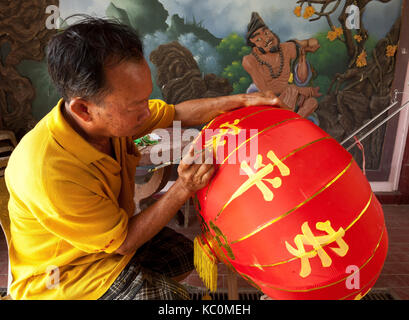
[148, 275]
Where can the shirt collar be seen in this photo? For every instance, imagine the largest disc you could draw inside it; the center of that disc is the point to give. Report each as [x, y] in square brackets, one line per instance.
[69, 139]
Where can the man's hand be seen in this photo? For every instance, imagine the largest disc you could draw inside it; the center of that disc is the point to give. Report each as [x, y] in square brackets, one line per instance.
[194, 172]
[263, 98]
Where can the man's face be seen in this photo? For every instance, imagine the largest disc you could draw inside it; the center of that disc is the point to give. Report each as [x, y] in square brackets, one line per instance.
[265, 40]
[125, 108]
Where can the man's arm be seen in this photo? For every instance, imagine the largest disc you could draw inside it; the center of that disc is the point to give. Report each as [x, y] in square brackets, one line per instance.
[199, 111]
[145, 225]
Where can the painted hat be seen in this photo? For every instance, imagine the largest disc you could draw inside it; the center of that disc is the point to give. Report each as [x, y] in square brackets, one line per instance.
[255, 23]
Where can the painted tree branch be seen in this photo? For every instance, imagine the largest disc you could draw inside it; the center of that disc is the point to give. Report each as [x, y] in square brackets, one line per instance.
[360, 93]
[326, 14]
[364, 89]
[354, 48]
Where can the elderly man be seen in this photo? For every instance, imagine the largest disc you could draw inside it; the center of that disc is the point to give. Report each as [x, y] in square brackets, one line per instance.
[74, 234]
[270, 65]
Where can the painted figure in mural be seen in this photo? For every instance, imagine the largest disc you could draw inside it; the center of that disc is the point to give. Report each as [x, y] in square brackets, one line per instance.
[273, 66]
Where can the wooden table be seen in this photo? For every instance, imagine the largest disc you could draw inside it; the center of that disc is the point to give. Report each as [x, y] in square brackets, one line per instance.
[148, 184]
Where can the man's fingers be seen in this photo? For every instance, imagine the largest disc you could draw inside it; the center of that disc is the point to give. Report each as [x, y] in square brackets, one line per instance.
[268, 98]
[203, 169]
[189, 157]
[269, 95]
[188, 168]
[194, 159]
[207, 155]
[206, 177]
[275, 100]
[278, 102]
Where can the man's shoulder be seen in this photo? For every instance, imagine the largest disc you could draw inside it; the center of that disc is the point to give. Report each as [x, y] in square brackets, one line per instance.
[40, 153]
[32, 143]
[32, 161]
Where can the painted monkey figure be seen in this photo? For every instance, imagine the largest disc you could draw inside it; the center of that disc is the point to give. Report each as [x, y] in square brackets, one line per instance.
[271, 65]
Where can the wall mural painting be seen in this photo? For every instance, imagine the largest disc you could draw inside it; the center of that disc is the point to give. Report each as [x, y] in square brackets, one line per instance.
[22, 44]
[332, 61]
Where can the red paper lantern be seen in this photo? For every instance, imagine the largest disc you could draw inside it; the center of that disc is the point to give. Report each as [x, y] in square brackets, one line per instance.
[299, 219]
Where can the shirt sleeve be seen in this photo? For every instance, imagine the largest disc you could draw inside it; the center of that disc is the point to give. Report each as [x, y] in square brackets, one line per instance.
[162, 116]
[87, 220]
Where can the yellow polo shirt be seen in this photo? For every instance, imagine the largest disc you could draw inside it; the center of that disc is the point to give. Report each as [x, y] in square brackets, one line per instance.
[69, 208]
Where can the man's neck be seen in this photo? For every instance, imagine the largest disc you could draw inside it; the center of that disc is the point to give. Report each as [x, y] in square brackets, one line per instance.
[102, 144]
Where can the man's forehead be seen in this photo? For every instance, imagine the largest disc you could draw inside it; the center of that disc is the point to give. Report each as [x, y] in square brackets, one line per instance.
[132, 70]
[124, 78]
[258, 31]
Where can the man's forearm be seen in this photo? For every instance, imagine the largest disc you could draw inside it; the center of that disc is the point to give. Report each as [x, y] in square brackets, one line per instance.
[145, 225]
[200, 111]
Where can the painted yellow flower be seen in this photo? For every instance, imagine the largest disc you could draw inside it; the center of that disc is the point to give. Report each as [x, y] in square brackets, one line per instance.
[338, 31]
[391, 50]
[361, 60]
[297, 11]
[309, 11]
[358, 38]
[331, 36]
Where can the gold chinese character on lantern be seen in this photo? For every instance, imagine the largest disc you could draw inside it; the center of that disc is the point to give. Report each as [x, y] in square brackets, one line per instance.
[224, 129]
[318, 242]
[257, 177]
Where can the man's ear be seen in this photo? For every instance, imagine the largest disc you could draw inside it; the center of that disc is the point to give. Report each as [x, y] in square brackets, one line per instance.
[80, 109]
